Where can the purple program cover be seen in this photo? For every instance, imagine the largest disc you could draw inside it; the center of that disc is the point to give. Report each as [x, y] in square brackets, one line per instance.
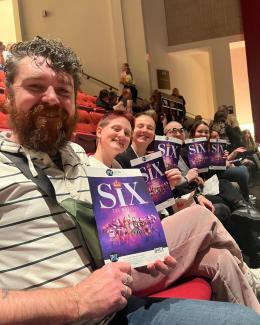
[153, 170]
[198, 153]
[170, 149]
[128, 224]
[216, 154]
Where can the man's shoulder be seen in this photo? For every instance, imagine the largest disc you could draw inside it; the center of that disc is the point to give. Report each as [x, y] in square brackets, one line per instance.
[77, 151]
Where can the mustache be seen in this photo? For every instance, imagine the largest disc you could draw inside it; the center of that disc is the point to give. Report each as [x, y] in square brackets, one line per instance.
[46, 110]
[43, 127]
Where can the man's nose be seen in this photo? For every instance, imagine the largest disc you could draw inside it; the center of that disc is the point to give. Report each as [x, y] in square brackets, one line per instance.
[50, 96]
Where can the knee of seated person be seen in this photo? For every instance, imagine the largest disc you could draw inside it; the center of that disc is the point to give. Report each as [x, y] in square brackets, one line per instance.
[225, 259]
[195, 213]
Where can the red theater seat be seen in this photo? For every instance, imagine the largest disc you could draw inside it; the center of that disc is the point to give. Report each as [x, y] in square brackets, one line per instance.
[95, 117]
[86, 141]
[85, 128]
[2, 100]
[2, 75]
[84, 116]
[196, 288]
[3, 121]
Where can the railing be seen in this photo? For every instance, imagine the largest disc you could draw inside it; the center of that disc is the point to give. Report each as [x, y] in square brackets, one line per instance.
[98, 80]
[169, 102]
[87, 76]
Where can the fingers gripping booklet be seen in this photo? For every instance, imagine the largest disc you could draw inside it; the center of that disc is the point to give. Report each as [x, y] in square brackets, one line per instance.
[170, 149]
[128, 224]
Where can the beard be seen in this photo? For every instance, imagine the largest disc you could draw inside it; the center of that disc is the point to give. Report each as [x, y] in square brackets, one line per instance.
[43, 128]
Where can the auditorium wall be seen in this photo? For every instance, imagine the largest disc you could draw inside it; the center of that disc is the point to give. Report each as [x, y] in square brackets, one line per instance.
[9, 21]
[106, 33]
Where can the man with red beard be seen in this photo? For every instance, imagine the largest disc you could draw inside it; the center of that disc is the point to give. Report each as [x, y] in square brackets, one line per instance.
[39, 244]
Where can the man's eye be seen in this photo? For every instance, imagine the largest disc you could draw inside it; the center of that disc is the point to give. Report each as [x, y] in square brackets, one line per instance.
[63, 92]
[35, 88]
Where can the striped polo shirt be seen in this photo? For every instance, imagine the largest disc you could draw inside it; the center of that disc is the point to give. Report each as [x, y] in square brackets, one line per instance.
[39, 246]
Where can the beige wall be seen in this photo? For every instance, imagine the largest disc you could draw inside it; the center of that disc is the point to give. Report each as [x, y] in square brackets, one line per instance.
[241, 87]
[220, 62]
[85, 25]
[9, 21]
[136, 44]
[189, 71]
[156, 39]
[106, 33]
[192, 75]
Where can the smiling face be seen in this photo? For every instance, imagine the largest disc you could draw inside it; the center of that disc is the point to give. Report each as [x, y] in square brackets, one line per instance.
[144, 131]
[202, 131]
[214, 134]
[42, 105]
[114, 137]
[174, 130]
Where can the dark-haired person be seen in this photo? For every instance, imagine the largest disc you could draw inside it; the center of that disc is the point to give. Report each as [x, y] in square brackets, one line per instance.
[229, 195]
[179, 115]
[233, 174]
[46, 275]
[232, 134]
[103, 100]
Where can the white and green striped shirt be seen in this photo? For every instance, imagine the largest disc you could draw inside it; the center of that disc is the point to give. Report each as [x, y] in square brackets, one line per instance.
[39, 246]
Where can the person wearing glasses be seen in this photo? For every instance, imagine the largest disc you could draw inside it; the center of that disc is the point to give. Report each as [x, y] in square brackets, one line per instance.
[224, 203]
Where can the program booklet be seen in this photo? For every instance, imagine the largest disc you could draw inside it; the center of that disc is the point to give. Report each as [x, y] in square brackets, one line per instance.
[198, 155]
[216, 154]
[153, 170]
[170, 149]
[128, 224]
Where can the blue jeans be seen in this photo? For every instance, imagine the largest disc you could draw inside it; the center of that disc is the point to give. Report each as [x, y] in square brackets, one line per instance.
[189, 312]
[240, 175]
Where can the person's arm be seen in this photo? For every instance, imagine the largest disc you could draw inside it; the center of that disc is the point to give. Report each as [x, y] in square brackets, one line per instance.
[45, 306]
[99, 295]
[235, 152]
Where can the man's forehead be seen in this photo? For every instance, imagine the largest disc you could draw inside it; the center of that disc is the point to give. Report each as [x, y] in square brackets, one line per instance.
[174, 125]
[38, 67]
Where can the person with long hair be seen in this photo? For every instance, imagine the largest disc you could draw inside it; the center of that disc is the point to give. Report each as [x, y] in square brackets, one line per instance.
[126, 79]
[191, 221]
[237, 174]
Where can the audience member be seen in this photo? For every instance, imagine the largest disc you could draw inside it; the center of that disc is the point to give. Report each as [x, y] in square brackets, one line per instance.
[233, 135]
[125, 102]
[228, 196]
[66, 289]
[103, 99]
[126, 79]
[179, 115]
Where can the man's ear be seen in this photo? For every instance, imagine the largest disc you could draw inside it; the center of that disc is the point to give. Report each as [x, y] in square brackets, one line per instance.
[98, 132]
